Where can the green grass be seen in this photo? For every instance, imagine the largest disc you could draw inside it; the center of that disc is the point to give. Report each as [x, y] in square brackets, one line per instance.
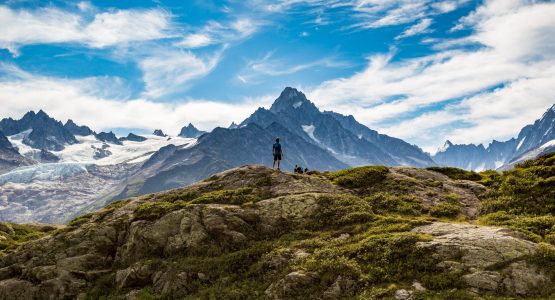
[361, 177]
[456, 173]
[363, 235]
[10, 241]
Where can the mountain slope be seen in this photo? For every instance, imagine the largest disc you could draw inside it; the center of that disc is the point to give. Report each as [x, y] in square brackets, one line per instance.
[9, 157]
[190, 131]
[222, 149]
[532, 141]
[348, 140]
[43, 131]
[251, 233]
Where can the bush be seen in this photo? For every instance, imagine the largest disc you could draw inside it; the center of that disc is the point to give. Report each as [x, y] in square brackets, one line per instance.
[362, 177]
[445, 210]
[342, 210]
[389, 257]
[456, 173]
[521, 191]
[547, 159]
[10, 241]
[536, 227]
[384, 203]
[80, 220]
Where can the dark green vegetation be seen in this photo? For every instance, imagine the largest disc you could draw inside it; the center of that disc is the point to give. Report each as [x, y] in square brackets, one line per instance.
[523, 198]
[14, 235]
[359, 178]
[456, 173]
[251, 233]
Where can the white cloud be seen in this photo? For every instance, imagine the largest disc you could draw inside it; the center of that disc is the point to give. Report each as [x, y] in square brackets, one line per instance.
[418, 28]
[517, 51]
[217, 33]
[126, 26]
[52, 25]
[168, 72]
[270, 66]
[80, 101]
[196, 40]
[364, 13]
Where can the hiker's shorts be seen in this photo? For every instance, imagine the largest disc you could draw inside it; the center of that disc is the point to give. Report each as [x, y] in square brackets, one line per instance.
[277, 157]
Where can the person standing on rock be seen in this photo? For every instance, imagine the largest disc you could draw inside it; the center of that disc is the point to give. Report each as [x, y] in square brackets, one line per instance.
[277, 152]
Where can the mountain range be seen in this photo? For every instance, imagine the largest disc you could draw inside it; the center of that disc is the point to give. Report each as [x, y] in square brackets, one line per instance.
[51, 172]
[532, 141]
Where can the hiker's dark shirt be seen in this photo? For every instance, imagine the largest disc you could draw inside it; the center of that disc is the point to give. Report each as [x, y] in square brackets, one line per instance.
[277, 149]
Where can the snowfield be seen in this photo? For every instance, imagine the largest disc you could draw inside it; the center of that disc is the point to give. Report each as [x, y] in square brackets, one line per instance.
[84, 151]
[56, 192]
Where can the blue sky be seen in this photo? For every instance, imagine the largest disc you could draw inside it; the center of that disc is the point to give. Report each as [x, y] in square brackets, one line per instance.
[424, 71]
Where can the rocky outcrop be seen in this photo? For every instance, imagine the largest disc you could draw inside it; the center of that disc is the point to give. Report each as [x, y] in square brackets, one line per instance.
[188, 240]
[190, 131]
[492, 259]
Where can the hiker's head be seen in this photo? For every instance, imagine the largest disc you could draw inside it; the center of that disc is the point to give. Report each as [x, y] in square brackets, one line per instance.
[277, 140]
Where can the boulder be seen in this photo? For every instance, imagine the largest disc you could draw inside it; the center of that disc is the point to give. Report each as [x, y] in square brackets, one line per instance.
[494, 259]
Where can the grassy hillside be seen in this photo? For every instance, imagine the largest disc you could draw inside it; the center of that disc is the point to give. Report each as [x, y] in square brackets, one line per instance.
[252, 233]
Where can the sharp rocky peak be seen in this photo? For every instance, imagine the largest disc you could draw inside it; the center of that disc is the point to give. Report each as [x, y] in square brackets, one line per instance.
[291, 98]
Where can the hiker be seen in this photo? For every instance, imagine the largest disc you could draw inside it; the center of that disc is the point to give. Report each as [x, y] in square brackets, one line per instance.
[296, 169]
[277, 152]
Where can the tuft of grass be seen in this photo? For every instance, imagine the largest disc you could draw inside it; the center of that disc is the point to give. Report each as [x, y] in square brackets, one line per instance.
[10, 240]
[361, 177]
[537, 228]
[384, 203]
[342, 209]
[237, 196]
[155, 210]
[456, 173]
[445, 210]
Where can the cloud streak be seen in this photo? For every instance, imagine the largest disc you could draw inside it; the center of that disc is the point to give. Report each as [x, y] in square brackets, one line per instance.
[511, 60]
[52, 25]
[79, 100]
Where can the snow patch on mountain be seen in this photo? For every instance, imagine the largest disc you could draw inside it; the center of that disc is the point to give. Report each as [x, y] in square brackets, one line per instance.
[309, 129]
[520, 143]
[85, 151]
[548, 144]
[297, 104]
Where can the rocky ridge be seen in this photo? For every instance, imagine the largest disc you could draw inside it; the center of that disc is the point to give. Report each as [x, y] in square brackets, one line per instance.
[250, 233]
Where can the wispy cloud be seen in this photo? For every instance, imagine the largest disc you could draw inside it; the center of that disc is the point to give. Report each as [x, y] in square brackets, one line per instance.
[169, 72]
[419, 28]
[53, 25]
[270, 66]
[517, 54]
[366, 14]
[21, 91]
[219, 33]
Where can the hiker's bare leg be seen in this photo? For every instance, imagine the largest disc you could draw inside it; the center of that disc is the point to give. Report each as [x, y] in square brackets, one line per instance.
[278, 163]
[274, 166]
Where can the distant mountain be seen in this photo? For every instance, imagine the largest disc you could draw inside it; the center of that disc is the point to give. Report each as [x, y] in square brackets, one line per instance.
[159, 132]
[346, 139]
[43, 132]
[190, 131]
[108, 137]
[532, 141]
[5, 143]
[76, 129]
[133, 138]
[10, 157]
[222, 149]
